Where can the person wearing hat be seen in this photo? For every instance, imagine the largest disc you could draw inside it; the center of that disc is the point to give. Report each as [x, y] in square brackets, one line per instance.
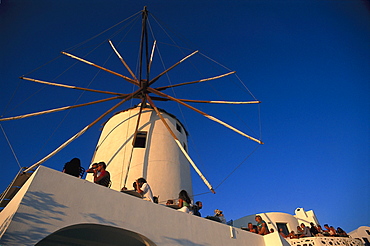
[218, 214]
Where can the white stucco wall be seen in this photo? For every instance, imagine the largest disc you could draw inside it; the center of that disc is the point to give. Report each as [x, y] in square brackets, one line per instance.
[54, 200]
[161, 162]
[271, 218]
[361, 233]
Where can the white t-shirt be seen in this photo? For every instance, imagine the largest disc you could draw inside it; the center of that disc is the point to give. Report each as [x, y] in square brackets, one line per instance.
[147, 192]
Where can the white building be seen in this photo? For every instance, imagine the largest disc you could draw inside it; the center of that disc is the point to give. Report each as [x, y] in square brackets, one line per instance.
[362, 233]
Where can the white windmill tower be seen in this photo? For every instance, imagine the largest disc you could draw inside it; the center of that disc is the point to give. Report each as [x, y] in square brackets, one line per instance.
[153, 154]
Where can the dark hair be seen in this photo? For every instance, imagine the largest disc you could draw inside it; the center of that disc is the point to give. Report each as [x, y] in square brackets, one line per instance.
[184, 196]
[74, 168]
[103, 164]
[141, 180]
[155, 199]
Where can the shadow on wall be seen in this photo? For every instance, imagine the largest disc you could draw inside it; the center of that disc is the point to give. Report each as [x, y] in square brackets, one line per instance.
[39, 213]
[43, 211]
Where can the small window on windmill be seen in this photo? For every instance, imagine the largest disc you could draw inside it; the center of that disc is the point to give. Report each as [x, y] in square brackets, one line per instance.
[178, 127]
[140, 140]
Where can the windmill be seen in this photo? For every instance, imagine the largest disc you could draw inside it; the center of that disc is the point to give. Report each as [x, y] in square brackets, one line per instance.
[146, 115]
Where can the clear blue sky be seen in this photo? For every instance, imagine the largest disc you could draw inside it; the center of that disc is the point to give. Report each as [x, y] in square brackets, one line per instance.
[307, 61]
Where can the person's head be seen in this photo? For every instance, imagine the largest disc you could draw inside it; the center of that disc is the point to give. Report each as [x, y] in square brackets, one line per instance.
[250, 225]
[326, 226]
[258, 218]
[73, 167]
[319, 227]
[272, 230]
[184, 196]
[302, 225]
[312, 224]
[155, 199]
[94, 166]
[141, 181]
[199, 204]
[169, 202]
[76, 161]
[218, 212]
[101, 166]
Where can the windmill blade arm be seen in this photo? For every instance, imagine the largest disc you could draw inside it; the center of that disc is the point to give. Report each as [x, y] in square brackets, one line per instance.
[134, 140]
[57, 109]
[219, 102]
[205, 115]
[71, 86]
[138, 120]
[170, 68]
[122, 60]
[197, 81]
[160, 99]
[152, 54]
[180, 145]
[82, 131]
[135, 82]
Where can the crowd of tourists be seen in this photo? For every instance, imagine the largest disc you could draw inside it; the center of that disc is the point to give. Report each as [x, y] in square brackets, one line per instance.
[185, 204]
[314, 231]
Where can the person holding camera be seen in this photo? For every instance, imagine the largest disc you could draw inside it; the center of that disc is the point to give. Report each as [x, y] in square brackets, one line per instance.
[93, 167]
[101, 176]
[144, 189]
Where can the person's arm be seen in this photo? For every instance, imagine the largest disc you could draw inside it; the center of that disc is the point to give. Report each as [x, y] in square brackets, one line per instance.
[90, 170]
[181, 202]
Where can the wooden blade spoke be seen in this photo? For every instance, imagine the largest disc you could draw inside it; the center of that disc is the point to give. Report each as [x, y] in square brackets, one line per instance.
[71, 86]
[173, 66]
[82, 131]
[135, 82]
[193, 82]
[138, 120]
[159, 98]
[121, 58]
[180, 145]
[219, 102]
[205, 115]
[143, 100]
[152, 54]
[58, 109]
